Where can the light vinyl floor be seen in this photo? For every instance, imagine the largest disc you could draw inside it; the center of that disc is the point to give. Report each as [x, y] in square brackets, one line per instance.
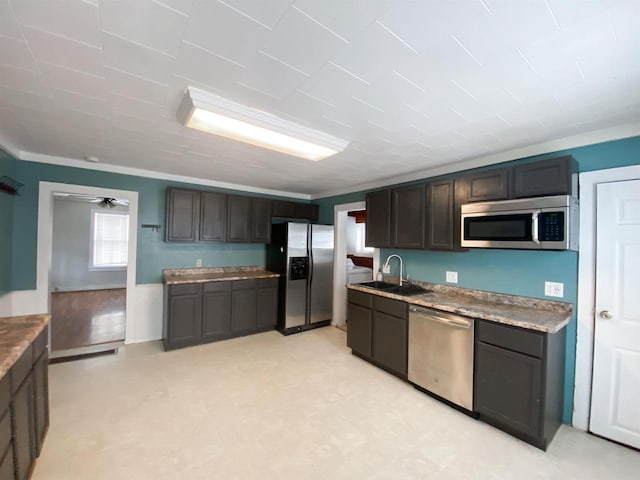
[274, 407]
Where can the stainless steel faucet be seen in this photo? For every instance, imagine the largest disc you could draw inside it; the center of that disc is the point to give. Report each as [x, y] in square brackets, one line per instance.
[386, 264]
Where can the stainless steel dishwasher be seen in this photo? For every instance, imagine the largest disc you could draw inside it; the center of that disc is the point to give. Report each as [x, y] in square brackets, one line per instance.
[441, 354]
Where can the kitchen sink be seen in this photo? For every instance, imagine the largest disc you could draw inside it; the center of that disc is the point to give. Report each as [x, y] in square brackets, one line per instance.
[406, 289]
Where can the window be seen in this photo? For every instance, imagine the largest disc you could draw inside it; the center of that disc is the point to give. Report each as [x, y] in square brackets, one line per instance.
[360, 235]
[109, 240]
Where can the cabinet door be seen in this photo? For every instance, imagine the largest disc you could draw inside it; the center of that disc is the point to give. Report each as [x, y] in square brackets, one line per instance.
[23, 419]
[284, 209]
[488, 185]
[306, 211]
[378, 226]
[390, 342]
[6, 465]
[213, 217]
[216, 313]
[243, 311]
[5, 438]
[359, 326]
[41, 398]
[546, 177]
[238, 219]
[508, 388]
[408, 217]
[267, 307]
[440, 219]
[185, 320]
[261, 221]
[183, 215]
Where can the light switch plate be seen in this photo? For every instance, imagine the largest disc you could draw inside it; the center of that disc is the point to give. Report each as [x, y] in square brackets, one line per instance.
[199, 262]
[554, 289]
[452, 277]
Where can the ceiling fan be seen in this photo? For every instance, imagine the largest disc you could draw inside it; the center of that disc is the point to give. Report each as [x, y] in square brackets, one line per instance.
[102, 202]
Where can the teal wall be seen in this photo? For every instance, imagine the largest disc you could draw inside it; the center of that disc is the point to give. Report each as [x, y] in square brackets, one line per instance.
[153, 253]
[516, 272]
[6, 225]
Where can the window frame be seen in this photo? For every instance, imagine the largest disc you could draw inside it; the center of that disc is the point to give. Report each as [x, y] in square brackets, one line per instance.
[111, 267]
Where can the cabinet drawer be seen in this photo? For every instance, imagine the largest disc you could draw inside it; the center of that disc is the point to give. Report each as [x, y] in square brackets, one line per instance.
[216, 287]
[5, 431]
[5, 393]
[185, 289]
[267, 282]
[244, 284]
[392, 307]
[360, 298]
[40, 344]
[512, 338]
[21, 369]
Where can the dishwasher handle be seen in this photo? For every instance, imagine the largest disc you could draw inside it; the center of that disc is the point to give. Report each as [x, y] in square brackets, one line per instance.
[433, 316]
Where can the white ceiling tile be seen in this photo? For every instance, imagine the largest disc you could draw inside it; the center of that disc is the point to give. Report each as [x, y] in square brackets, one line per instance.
[20, 79]
[62, 51]
[73, 19]
[16, 53]
[196, 63]
[164, 33]
[347, 19]
[73, 81]
[8, 25]
[182, 6]
[132, 86]
[82, 103]
[119, 104]
[271, 77]
[568, 13]
[136, 59]
[267, 13]
[234, 36]
[301, 42]
[332, 85]
[23, 99]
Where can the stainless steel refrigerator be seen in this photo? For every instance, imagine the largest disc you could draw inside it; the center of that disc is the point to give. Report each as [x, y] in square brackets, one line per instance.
[303, 254]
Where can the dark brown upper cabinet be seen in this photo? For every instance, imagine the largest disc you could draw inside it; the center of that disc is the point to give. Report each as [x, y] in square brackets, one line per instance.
[488, 185]
[238, 219]
[378, 226]
[183, 207]
[295, 210]
[440, 202]
[407, 217]
[556, 176]
[261, 220]
[213, 217]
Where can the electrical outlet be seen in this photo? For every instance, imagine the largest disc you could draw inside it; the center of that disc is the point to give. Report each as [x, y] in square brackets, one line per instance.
[452, 277]
[199, 262]
[554, 289]
[386, 269]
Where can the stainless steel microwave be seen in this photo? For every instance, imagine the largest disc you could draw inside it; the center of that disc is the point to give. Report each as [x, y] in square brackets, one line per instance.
[542, 223]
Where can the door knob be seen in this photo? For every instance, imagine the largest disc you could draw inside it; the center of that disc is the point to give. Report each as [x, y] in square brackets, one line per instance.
[606, 314]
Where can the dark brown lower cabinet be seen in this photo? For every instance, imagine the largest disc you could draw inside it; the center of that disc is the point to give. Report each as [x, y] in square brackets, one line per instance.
[519, 381]
[6, 465]
[200, 313]
[24, 438]
[41, 398]
[377, 330]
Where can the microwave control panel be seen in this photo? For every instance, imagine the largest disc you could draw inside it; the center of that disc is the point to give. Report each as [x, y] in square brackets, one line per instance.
[551, 227]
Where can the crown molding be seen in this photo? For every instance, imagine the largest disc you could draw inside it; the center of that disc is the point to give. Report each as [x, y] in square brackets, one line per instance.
[9, 147]
[138, 172]
[583, 139]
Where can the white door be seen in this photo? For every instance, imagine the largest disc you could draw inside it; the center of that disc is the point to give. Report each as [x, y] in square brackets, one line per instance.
[615, 397]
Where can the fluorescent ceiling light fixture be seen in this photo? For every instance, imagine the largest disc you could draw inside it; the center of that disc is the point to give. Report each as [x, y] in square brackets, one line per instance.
[211, 113]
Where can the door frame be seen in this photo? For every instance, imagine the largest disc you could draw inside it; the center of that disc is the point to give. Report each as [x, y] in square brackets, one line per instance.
[339, 314]
[45, 236]
[587, 286]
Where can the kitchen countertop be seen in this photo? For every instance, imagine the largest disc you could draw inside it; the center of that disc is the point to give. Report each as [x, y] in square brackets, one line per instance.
[16, 334]
[214, 274]
[525, 312]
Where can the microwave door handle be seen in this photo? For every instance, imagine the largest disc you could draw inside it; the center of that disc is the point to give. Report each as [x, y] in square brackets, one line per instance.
[534, 227]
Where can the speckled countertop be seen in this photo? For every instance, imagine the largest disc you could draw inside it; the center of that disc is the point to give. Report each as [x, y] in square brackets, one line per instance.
[525, 312]
[16, 334]
[214, 274]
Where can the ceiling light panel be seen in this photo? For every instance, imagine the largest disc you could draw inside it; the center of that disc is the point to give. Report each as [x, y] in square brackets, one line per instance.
[210, 113]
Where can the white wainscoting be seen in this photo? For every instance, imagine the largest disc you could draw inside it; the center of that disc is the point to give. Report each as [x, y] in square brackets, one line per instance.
[144, 323]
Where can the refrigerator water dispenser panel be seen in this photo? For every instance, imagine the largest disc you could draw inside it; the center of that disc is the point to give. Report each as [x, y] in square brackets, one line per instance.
[298, 268]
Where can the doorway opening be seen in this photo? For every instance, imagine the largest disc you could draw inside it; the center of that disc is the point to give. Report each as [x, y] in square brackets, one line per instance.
[88, 282]
[86, 266]
[353, 262]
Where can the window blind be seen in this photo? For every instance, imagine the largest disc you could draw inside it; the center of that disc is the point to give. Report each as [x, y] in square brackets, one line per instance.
[110, 239]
